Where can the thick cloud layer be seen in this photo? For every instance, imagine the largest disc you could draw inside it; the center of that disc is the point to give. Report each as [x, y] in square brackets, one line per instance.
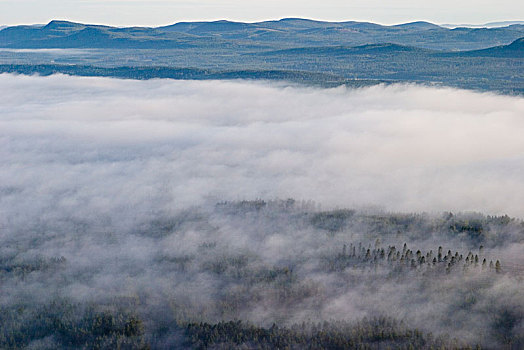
[90, 146]
[104, 187]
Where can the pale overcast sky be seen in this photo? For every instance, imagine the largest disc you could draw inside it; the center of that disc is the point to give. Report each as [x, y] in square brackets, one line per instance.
[160, 12]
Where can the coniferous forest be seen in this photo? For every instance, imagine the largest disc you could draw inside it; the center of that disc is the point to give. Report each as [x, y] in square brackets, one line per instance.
[265, 275]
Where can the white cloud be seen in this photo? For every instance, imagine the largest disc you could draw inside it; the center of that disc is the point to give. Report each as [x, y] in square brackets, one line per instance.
[105, 173]
[80, 147]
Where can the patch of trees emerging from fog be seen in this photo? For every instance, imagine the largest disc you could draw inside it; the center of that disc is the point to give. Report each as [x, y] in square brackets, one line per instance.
[256, 298]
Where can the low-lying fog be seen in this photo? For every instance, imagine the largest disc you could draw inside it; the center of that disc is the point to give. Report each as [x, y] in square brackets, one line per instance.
[108, 189]
[89, 146]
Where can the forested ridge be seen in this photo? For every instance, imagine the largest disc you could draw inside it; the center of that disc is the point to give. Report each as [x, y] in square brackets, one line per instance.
[293, 50]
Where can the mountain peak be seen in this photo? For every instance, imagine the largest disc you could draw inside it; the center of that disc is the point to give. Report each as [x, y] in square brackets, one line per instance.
[417, 25]
[296, 19]
[60, 24]
[518, 43]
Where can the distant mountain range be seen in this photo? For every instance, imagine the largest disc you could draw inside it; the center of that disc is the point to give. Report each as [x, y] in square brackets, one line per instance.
[292, 49]
[514, 49]
[485, 25]
[285, 33]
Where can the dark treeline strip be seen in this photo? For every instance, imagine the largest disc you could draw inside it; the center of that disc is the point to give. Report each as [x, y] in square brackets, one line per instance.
[398, 259]
[75, 326]
[145, 73]
[378, 333]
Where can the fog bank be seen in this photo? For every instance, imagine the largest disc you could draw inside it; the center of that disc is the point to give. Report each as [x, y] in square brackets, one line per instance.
[91, 146]
[126, 198]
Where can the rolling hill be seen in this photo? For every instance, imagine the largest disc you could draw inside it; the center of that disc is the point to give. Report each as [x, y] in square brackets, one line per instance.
[292, 49]
[285, 33]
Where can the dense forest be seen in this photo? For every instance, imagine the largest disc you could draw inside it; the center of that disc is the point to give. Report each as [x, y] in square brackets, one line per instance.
[263, 275]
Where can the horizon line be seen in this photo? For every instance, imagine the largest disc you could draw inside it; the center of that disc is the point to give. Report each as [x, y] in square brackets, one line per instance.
[493, 22]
